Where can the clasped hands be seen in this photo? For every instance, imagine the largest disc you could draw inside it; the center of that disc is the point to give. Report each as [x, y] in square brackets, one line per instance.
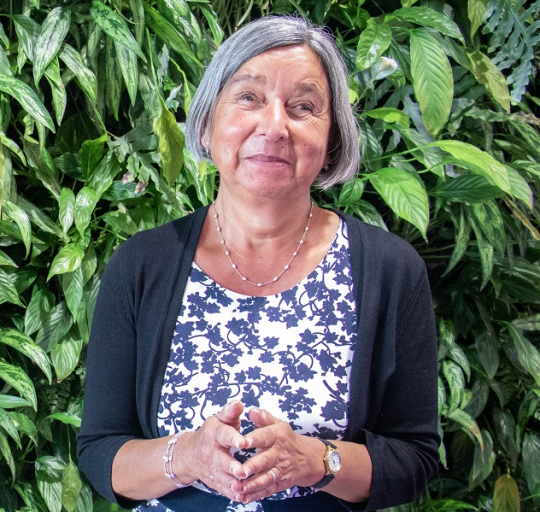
[282, 458]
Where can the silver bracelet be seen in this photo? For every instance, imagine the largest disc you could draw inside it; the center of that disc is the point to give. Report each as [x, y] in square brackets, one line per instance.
[168, 461]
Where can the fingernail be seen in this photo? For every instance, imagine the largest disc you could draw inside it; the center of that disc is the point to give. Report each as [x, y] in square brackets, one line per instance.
[231, 486]
[256, 409]
[236, 497]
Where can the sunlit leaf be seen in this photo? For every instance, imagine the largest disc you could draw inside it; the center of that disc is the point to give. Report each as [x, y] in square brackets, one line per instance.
[85, 203]
[68, 259]
[171, 145]
[85, 77]
[429, 18]
[372, 44]
[67, 209]
[127, 62]
[404, 194]
[432, 80]
[71, 486]
[53, 31]
[20, 217]
[390, 115]
[49, 480]
[26, 346]
[65, 355]
[491, 78]
[115, 27]
[468, 423]
[17, 378]
[476, 10]
[8, 291]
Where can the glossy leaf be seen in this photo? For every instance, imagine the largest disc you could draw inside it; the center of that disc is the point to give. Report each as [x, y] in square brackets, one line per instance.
[40, 219]
[531, 462]
[115, 27]
[27, 98]
[429, 18]
[65, 355]
[85, 77]
[171, 145]
[520, 188]
[8, 291]
[468, 424]
[55, 327]
[24, 425]
[127, 62]
[432, 80]
[404, 194]
[456, 383]
[19, 380]
[58, 90]
[477, 162]
[85, 203]
[372, 44]
[466, 189]
[5, 451]
[390, 115]
[20, 217]
[67, 209]
[26, 346]
[66, 418]
[104, 173]
[505, 428]
[53, 31]
[491, 78]
[49, 480]
[68, 259]
[489, 220]
[528, 354]
[40, 305]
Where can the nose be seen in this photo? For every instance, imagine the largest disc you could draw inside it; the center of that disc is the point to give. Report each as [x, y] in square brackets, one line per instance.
[274, 121]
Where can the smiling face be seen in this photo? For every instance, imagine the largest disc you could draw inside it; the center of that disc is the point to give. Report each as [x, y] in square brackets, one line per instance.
[270, 129]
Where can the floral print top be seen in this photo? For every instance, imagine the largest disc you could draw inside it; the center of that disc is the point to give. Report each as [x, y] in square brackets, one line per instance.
[289, 353]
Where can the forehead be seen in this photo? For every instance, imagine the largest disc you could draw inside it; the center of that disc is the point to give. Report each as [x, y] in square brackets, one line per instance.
[299, 63]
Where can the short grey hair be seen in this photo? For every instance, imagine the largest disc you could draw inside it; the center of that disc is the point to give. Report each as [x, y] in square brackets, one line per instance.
[260, 36]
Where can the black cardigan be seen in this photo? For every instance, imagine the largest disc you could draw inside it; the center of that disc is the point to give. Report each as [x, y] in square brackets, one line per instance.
[393, 382]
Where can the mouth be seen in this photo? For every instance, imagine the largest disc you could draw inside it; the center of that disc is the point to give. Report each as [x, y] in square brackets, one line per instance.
[262, 158]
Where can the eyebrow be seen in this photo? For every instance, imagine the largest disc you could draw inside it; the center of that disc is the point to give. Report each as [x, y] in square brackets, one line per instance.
[302, 87]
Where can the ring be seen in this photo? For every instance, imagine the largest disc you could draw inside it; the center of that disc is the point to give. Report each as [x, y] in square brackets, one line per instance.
[273, 473]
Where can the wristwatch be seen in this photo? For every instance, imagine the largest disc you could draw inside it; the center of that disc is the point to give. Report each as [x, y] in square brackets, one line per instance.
[332, 463]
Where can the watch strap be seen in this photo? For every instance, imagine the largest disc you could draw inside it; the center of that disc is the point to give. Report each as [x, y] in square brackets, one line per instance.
[328, 477]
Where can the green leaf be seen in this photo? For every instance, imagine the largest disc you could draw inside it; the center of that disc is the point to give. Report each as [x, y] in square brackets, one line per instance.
[506, 494]
[85, 77]
[67, 209]
[491, 78]
[12, 402]
[390, 115]
[372, 44]
[6, 261]
[120, 222]
[456, 383]
[55, 327]
[17, 379]
[91, 153]
[5, 450]
[65, 355]
[490, 222]
[432, 80]
[53, 31]
[469, 424]
[20, 217]
[505, 428]
[519, 187]
[528, 355]
[476, 10]
[477, 161]
[7, 424]
[531, 461]
[485, 249]
[127, 62]
[27, 98]
[170, 36]
[171, 145]
[24, 344]
[466, 189]
[72, 284]
[71, 486]
[115, 27]
[58, 90]
[49, 480]
[41, 303]
[113, 74]
[68, 259]
[8, 291]
[448, 505]
[40, 219]
[528, 323]
[25, 425]
[103, 175]
[351, 192]
[66, 418]
[484, 459]
[404, 195]
[84, 207]
[428, 18]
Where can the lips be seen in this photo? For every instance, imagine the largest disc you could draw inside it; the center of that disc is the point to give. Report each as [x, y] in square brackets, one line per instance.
[264, 158]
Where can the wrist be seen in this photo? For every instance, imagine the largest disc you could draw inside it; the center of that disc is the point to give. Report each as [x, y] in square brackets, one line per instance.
[172, 462]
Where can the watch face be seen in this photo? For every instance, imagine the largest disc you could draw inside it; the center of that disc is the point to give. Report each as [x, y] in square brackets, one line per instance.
[334, 462]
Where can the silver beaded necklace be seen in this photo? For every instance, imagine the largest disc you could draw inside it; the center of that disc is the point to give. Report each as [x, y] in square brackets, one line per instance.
[235, 267]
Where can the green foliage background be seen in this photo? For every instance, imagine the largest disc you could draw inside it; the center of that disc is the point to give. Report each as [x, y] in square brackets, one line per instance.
[92, 100]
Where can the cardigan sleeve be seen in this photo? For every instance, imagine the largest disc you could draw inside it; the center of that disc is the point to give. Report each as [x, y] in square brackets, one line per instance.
[404, 441]
[110, 415]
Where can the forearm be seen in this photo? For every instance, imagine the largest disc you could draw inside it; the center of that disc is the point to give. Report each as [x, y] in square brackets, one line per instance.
[138, 472]
[353, 481]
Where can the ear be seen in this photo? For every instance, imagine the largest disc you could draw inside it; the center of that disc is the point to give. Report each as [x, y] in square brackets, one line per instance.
[205, 137]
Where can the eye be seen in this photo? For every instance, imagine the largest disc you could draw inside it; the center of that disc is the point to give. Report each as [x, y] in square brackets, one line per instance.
[247, 96]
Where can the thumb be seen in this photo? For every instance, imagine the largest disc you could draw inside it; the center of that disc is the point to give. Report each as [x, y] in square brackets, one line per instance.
[230, 414]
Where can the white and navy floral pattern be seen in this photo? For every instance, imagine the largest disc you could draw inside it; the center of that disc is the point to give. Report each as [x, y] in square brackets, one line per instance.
[288, 353]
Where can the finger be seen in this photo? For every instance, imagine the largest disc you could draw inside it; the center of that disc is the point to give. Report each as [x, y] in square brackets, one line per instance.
[226, 435]
[225, 484]
[230, 414]
[261, 417]
[262, 486]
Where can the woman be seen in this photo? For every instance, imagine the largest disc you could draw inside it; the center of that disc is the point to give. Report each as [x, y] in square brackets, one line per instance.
[264, 353]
